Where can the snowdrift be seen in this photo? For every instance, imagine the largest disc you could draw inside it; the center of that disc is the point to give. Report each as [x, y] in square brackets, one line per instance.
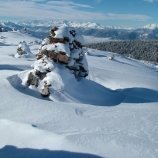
[85, 91]
[70, 90]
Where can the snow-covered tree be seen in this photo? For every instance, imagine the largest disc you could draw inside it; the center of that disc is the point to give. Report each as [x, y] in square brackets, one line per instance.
[61, 52]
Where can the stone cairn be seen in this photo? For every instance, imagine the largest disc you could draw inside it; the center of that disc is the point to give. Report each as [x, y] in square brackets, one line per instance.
[62, 47]
[23, 50]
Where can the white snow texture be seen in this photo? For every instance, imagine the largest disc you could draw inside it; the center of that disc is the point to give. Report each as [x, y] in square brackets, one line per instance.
[113, 113]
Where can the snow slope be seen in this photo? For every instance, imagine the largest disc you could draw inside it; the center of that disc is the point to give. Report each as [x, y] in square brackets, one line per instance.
[93, 39]
[124, 126]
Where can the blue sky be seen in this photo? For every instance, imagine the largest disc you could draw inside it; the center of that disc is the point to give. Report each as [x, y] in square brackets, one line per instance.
[107, 12]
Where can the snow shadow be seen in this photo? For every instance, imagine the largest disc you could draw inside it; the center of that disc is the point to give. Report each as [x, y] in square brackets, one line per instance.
[92, 93]
[16, 82]
[139, 95]
[121, 62]
[14, 152]
[97, 55]
[3, 44]
[14, 67]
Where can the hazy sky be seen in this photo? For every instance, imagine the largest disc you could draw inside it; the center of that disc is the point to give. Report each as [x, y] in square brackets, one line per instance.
[107, 12]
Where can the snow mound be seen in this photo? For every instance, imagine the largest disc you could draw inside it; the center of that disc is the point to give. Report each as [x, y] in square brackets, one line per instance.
[84, 91]
[65, 88]
[9, 128]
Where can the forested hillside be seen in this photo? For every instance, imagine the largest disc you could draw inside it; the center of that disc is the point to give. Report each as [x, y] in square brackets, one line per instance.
[142, 50]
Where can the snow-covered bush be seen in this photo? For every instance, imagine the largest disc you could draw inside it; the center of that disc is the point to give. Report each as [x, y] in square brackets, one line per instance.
[61, 55]
[23, 50]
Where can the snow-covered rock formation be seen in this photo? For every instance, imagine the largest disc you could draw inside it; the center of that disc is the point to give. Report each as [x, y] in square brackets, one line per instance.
[23, 50]
[61, 57]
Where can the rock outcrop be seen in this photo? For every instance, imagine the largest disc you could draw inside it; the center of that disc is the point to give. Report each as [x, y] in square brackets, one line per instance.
[23, 50]
[62, 50]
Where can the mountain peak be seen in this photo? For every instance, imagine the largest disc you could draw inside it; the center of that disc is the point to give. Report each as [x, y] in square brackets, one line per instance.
[151, 26]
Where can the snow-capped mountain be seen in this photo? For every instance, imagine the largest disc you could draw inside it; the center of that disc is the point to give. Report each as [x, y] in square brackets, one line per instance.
[88, 25]
[40, 29]
[38, 23]
[151, 26]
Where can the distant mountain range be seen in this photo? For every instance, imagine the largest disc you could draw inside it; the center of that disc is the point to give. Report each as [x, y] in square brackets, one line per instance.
[40, 29]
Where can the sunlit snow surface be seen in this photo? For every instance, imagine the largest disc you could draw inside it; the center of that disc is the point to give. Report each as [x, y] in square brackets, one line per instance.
[125, 126]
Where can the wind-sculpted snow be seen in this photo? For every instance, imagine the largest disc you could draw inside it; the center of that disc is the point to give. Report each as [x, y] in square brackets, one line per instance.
[85, 92]
[89, 92]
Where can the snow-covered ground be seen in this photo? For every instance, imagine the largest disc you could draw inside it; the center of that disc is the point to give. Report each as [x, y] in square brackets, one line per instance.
[93, 39]
[125, 126]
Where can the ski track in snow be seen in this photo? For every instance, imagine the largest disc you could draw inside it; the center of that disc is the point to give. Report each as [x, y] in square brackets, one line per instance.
[34, 127]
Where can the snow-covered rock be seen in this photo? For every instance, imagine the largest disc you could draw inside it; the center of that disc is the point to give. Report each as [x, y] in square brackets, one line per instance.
[23, 50]
[60, 51]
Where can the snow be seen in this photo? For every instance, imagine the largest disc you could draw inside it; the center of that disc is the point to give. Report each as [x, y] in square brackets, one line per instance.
[57, 48]
[61, 32]
[91, 25]
[42, 66]
[23, 51]
[55, 80]
[13, 38]
[151, 26]
[7, 127]
[124, 126]
[92, 39]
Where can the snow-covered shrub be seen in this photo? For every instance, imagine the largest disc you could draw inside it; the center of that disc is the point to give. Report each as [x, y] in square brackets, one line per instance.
[60, 53]
[23, 50]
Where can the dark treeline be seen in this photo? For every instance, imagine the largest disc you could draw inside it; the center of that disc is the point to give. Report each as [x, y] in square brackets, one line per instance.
[142, 50]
